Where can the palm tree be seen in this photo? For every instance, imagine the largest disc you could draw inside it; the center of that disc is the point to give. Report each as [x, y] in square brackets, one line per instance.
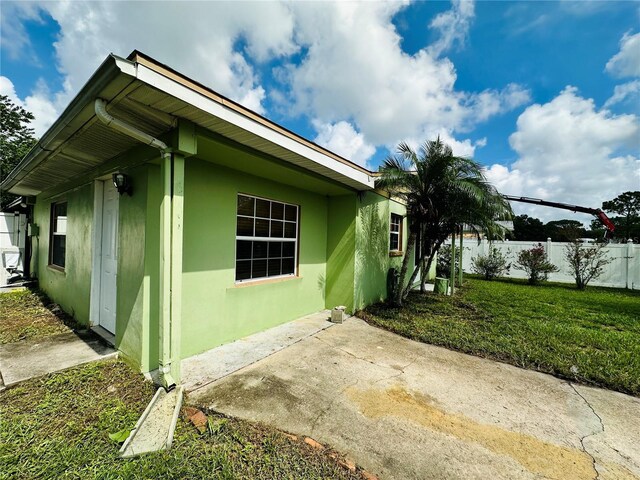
[441, 191]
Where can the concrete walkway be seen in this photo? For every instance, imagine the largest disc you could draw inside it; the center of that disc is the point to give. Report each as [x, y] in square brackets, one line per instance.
[207, 367]
[28, 359]
[406, 410]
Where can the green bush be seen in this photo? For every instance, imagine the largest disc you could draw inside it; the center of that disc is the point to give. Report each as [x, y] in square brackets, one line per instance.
[535, 264]
[491, 266]
[586, 262]
[443, 262]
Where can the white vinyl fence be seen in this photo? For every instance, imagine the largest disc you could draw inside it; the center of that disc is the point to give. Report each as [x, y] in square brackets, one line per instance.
[13, 228]
[622, 272]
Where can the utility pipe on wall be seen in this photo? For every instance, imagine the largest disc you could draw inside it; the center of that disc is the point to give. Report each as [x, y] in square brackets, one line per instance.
[169, 337]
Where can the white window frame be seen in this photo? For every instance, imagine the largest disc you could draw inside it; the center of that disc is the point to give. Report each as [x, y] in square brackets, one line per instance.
[398, 233]
[254, 238]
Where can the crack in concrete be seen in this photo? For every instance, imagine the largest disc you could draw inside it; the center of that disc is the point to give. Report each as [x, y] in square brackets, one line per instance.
[353, 355]
[582, 439]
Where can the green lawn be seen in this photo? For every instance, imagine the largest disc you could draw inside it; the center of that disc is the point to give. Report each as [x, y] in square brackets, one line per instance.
[590, 336]
[26, 314]
[58, 427]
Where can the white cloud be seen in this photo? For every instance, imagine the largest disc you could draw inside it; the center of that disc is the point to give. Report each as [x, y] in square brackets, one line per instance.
[44, 111]
[204, 50]
[344, 140]
[622, 93]
[452, 25]
[572, 153]
[354, 68]
[351, 71]
[626, 63]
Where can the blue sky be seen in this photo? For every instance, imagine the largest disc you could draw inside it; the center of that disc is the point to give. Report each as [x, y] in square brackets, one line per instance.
[545, 94]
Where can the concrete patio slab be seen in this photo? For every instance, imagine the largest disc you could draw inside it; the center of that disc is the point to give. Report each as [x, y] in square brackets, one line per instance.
[207, 367]
[407, 410]
[28, 359]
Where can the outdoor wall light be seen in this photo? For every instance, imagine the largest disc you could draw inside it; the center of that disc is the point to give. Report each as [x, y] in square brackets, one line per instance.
[122, 183]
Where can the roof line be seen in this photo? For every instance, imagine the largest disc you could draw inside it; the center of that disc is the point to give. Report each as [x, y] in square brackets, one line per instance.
[149, 62]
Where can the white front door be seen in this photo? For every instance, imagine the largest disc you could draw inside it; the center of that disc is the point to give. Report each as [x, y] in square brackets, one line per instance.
[109, 258]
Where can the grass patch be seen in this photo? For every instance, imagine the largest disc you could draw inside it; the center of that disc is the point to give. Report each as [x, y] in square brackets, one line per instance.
[58, 427]
[28, 314]
[590, 336]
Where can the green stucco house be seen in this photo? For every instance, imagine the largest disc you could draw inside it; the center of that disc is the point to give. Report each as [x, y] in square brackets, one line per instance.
[222, 224]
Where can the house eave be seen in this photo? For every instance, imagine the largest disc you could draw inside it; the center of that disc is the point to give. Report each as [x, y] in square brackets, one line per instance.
[117, 78]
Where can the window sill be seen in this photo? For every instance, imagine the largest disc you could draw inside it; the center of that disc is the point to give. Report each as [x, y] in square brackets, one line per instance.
[396, 253]
[265, 281]
[57, 269]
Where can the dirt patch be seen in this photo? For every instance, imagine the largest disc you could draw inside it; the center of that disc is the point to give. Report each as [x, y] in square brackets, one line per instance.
[537, 456]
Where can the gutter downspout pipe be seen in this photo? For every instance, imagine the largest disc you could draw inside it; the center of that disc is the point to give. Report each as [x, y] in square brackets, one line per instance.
[109, 120]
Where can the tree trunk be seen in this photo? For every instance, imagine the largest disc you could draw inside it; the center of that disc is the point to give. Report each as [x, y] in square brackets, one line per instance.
[411, 243]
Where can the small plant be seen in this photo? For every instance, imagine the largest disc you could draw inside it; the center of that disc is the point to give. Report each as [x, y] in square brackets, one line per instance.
[535, 264]
[443, 261]
[492, 265]
[585, 262]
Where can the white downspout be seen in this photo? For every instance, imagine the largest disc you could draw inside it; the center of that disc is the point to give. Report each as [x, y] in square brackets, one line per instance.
[165, 328]
[110, 121]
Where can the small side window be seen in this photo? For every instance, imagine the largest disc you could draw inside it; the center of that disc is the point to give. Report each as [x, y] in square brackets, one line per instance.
[395, 233]
[58, 238]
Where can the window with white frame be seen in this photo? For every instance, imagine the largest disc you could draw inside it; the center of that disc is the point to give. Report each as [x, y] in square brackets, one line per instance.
[58, 234]
[266, 238]
[395, 233]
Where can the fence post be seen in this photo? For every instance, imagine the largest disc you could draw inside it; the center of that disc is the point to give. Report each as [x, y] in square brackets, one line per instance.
[628, 258]
[548, 249]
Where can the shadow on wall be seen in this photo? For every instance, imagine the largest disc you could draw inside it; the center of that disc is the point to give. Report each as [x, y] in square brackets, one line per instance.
[372, 257]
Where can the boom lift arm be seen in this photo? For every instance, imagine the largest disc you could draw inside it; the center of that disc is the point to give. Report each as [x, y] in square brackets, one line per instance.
[597, 212]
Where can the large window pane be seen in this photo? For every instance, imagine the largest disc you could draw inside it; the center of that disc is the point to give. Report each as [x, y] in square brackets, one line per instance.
[288, 249]
[290, 230]
[259, 269]
[274, 267]
[243, 249]
[287, 266]
[59, 249]
[259, 249]
[277, 229]
[243, 269]
[261, 227]
[245, 205]
[263, 208]
[277, 210]
[275, 249]
[245, 227]
[291, 213]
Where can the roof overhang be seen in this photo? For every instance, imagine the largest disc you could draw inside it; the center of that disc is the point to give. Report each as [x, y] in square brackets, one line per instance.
[153, 97]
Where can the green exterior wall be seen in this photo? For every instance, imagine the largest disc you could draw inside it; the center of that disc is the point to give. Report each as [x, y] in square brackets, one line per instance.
[373, 260]
[214, 309]
[343, 250]
[71, 289]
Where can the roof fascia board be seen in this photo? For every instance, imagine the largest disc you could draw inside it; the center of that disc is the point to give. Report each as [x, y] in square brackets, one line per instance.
[188, 95]
[108, 70]
[141, 58]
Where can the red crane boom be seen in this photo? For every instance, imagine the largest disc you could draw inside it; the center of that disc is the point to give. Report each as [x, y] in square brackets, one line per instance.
[597, 212]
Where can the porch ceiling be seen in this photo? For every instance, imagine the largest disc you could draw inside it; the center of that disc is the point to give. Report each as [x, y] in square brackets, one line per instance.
[152, 98]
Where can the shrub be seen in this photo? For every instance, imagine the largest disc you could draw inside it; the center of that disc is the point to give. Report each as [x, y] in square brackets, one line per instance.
[492, 265]
[443, 262]
[535, 264]
[585, 262]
